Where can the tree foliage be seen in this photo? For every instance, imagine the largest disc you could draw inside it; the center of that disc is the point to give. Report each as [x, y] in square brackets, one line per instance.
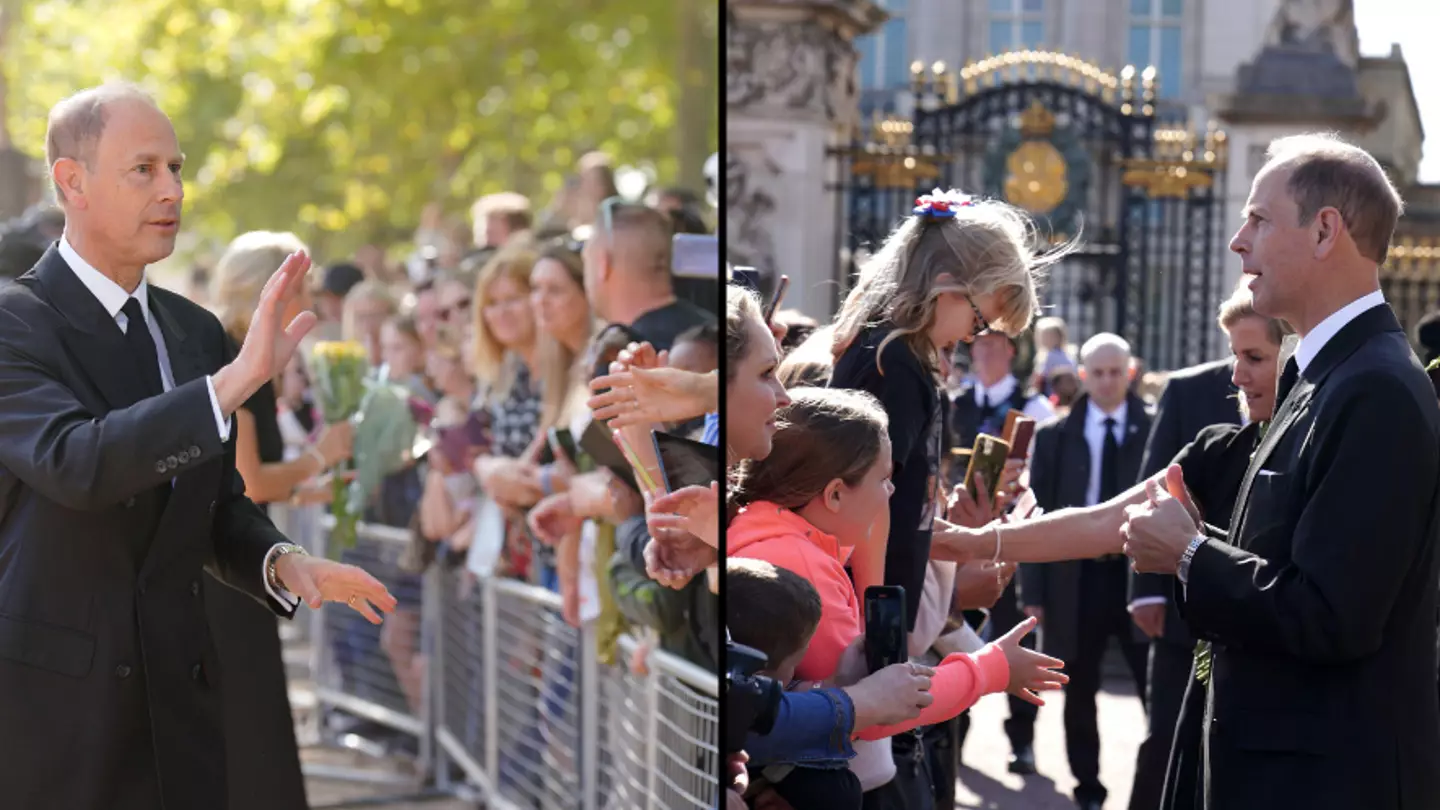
[341, 119]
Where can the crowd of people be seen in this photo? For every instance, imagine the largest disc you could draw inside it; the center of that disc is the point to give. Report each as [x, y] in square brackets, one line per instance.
[846, 452]
[497, 345]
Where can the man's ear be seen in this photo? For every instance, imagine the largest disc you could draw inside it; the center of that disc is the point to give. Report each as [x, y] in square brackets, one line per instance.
[69, 176]
[1329, 227]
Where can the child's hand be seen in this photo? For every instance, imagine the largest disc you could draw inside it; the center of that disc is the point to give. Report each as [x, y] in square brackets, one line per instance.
[1030, 672]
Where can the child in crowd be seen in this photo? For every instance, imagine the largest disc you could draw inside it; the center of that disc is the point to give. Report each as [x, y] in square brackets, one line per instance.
[776, 611]
[811, 502]
[1052, 351]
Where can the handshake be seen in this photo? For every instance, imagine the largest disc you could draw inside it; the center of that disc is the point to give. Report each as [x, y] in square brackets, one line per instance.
[1158, 530]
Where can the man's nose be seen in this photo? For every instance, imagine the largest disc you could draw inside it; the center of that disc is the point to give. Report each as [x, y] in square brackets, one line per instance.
[1240, 242]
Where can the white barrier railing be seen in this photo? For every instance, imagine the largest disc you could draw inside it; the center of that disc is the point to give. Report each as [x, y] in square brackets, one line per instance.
[491, 692]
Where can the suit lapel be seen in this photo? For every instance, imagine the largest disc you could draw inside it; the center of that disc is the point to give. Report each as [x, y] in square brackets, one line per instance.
[91, 334]
[1351, 337]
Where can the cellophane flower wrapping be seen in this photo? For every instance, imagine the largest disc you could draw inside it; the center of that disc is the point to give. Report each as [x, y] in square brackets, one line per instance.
[339, 370]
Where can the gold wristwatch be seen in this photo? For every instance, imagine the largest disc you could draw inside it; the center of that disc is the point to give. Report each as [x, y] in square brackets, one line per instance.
[274, 556]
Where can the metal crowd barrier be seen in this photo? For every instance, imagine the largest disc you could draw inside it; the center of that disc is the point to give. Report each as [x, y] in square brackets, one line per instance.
[487, 692]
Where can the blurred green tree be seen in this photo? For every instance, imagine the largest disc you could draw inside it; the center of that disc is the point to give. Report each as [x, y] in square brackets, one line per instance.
[342, 119]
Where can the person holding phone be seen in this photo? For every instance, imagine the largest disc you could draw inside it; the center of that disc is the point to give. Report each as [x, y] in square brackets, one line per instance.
[816, 496]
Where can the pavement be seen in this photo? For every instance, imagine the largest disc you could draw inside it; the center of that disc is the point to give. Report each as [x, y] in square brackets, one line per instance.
[985, 784]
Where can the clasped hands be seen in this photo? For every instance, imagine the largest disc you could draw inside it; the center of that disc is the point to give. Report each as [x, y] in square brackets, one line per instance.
[1157, 532]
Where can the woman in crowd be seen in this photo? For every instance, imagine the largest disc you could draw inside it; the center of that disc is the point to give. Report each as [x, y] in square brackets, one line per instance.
[815, 725]
[263, 761]
[367, 307]
[403, 354]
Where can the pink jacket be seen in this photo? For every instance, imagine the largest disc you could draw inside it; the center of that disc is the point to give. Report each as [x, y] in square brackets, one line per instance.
[764, 531]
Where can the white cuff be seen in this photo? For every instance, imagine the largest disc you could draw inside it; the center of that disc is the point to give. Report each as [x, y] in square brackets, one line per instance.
[1147, 600]
[286, 599]
[221, 423]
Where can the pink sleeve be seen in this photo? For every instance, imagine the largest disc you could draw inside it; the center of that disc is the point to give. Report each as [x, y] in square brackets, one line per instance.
[838, 628]
[960, 680]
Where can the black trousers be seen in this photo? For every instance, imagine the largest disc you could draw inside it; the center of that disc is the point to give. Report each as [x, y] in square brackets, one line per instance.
[820, 789]
[1102, 614]
[1020, 726]
[1170, 666]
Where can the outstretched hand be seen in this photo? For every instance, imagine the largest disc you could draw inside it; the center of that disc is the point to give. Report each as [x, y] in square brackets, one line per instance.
[1030, 672]
[317, 580]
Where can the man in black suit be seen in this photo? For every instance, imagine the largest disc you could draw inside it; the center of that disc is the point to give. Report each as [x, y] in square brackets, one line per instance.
[1086, 457]
[1193, 399]
[1321, 602]
[118, 484]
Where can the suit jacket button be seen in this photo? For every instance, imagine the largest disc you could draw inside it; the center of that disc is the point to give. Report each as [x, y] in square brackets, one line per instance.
[195, 587]
[194, 452]
[160, 466]
[122, 671]
[184, 456]
[172, 462]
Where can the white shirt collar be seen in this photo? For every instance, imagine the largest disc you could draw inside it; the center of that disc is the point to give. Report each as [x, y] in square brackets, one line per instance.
[1096, 417]
[111, 295]
[997, 393]
[1311, 344]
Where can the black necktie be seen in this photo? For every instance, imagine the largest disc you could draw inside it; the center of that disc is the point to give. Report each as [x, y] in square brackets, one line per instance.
[1109, 463]
[1288, 378]
[142, 348]
[984, 404]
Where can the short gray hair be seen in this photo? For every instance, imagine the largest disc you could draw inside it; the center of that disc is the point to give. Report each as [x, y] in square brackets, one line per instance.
[75, 124]
[1327, 172]
[1104, 340]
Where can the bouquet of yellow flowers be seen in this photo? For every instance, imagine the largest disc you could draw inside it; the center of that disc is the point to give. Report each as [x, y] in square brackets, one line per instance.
[339, 369]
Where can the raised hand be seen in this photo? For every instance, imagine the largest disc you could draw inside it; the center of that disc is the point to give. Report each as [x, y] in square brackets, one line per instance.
[317, 580]
[269, 343]
[645, 396]
[1030, 671]
[692, 509]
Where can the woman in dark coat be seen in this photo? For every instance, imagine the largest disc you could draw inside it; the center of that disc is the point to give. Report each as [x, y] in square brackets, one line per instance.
[262, 757]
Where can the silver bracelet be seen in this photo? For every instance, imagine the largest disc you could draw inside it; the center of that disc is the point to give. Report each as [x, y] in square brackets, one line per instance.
[996, 558]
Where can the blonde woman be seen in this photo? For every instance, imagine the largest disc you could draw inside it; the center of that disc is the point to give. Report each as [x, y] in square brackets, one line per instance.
[262, 758]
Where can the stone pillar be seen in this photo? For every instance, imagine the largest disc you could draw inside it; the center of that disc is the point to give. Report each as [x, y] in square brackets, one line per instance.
[790, 95]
